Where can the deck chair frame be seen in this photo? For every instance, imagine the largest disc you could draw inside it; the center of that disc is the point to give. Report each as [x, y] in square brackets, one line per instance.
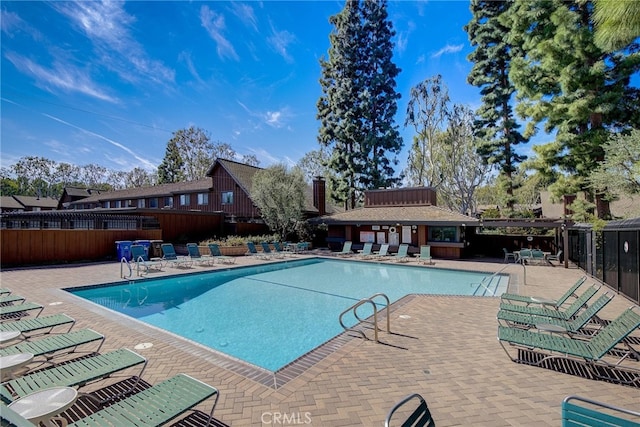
[594, 352]
[589, 412]
[421, 416]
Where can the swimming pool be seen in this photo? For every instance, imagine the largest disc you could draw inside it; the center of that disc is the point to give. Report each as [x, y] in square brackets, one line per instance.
[269, 315]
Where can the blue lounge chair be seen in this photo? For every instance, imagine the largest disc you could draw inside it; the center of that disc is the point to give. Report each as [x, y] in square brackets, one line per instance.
[141, 259]
[253, 251]
[266, 249]
[170, 256]
[216, 254]
[196, 257]
[283, 250]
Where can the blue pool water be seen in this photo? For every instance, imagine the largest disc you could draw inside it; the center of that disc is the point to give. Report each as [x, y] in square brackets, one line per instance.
[269, 315]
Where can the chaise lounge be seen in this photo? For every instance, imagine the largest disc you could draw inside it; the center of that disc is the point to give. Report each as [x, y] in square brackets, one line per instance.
[594, 351]
[565, 314]
[510, 298]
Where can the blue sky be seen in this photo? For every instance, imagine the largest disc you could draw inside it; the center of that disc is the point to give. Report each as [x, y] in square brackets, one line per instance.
[107, 83]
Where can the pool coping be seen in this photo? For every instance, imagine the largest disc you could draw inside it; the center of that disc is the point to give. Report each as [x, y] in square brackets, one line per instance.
[272, 379]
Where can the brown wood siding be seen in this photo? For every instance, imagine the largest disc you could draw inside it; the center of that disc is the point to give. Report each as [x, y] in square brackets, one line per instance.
[401, 197]
[242, 206]
[177, 225]
[33, 247]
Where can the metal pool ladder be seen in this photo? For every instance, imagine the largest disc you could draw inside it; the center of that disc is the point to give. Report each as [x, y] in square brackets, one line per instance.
[354, 309]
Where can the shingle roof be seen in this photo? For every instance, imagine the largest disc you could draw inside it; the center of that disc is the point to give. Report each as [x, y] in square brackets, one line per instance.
[8, 202]
[80, 192]
[414, 215]
[240, 172]
[155, 191]
[41, 202]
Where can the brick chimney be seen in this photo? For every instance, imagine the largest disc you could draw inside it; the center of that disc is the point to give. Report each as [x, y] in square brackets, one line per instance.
[319, 195]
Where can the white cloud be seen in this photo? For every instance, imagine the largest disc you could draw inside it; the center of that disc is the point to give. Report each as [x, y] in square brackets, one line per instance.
[143, 161]
[280, 41]
[107, 24]
[246, 14]
[62, 76]
[215, 26]
[448, 49]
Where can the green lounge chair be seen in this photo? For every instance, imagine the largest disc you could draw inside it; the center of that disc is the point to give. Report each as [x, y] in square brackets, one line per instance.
[593, 351]
[170, 256]
[383, 252]
[141, 259]
[420, 417]
[566, 314]
[509, 255]
[425, 255]
[44, 324]
[156, 405]
[5, 291]
[590, 413]
[403, 253]
[528, 321]
[545, 301]
[51, 345]
[19, 310]
[346, 249]
[10, 299]
[216, 254]
[366, 250]
[76, 373]
[197, 257]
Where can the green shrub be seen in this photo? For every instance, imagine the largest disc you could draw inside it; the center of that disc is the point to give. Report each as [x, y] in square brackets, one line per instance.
[240, 240]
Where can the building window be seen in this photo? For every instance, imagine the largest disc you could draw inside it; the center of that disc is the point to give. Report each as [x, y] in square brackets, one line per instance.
[168, 202]
[227, 198]
[107, 204]
[203, 198]
[117, 204]
[443, 234]
[141, 203]
[185, 199]
[153, 202]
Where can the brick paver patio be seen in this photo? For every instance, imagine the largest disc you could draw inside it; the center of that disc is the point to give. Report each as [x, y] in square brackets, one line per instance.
[444, 348]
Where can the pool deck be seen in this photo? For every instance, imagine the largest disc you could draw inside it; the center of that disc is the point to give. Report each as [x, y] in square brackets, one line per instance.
[443, 347]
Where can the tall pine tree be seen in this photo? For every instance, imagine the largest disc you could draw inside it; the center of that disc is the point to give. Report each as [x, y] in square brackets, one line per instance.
[495, 126]
[359, 101]
[564, 80]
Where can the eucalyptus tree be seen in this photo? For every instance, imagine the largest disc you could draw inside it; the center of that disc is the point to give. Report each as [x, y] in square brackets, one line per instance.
[495, 126]
[358, 101]
[619, 172]
[279, 193]
[566, 82]
[428, 113]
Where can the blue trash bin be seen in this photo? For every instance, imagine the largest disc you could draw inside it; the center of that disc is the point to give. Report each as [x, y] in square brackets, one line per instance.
[146, 244]
[123, 249]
